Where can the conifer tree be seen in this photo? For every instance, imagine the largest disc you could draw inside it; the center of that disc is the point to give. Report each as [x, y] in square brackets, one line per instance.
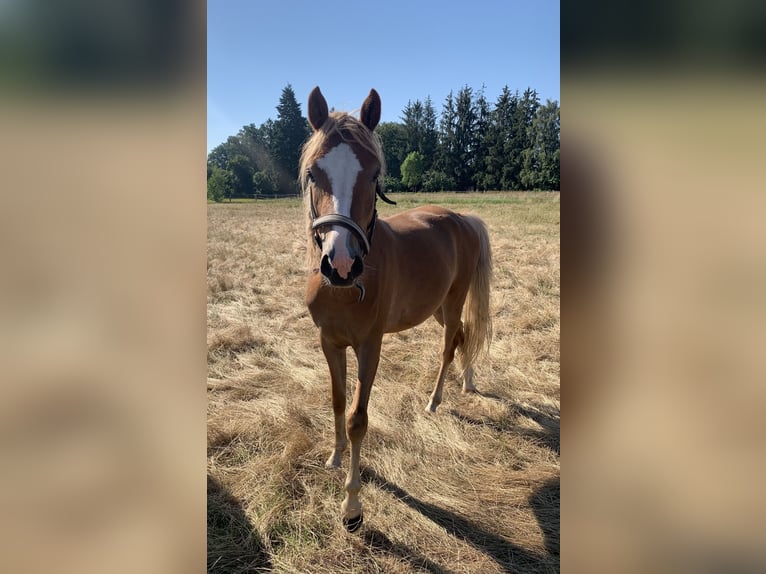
[289, 132]
[430, 133]
[465, 138]
[446, 151]
[481, 140]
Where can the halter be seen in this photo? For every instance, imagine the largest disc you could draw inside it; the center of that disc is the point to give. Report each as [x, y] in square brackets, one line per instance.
[365, 238]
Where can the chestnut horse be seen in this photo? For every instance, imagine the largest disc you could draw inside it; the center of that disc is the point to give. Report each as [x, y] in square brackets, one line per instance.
[372, 276]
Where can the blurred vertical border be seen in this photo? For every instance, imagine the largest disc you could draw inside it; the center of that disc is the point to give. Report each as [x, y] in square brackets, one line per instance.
[102, 287]
[664, 276]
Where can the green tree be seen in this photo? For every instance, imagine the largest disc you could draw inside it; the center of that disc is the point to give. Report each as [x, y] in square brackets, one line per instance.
[430, 133]
[289, 132]
[255, 144]
[521, 141]
[513, 145]
[447, 158]
[541, 160]
[413, 170]
[242, 171]
[481, 141]
[437, 181]
[393, 136]
[392, 184]
[263, 183]
[465, 138]
[220, 184]
[412, 120]
[419, 121]
[496, 169]
[222, 154]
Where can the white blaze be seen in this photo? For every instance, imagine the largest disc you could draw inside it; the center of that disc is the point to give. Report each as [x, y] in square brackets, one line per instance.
[342, 168]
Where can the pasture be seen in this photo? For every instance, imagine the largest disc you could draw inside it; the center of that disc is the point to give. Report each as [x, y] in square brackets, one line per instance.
[471, 488]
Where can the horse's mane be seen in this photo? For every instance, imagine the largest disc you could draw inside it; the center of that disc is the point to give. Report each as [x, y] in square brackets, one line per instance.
[353, 132]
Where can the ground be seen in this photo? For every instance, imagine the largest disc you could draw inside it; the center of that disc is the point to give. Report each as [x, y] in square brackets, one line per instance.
[473, 488]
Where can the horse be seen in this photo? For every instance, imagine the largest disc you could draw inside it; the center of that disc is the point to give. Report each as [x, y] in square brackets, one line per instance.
[370, 276]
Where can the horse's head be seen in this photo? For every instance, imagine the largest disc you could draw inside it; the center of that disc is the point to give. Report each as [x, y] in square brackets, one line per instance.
[340, 167]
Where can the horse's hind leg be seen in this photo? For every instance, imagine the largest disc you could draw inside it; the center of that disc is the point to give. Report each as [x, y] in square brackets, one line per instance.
[452, 326]
[468, 386]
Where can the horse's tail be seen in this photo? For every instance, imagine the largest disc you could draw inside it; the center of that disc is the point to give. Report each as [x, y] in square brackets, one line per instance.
[477, 322]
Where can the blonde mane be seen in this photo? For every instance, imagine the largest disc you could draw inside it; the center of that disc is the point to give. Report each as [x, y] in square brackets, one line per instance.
[351, 131]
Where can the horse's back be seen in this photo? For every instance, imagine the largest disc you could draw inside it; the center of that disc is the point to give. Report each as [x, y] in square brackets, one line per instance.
[425, 229]
[418, 216]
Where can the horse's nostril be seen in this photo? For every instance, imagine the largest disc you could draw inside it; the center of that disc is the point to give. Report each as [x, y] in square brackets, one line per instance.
[325, 267]
[357, 267]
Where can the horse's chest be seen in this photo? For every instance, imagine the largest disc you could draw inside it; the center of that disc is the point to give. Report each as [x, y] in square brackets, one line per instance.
[338, 310]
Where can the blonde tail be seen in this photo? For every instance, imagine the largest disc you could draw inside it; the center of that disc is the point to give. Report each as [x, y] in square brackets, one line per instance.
[477, 322]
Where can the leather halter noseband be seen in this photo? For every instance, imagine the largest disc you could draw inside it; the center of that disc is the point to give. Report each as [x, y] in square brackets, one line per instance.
[365, 238]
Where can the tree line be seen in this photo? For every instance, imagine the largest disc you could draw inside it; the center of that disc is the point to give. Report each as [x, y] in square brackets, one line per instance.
[512, 144]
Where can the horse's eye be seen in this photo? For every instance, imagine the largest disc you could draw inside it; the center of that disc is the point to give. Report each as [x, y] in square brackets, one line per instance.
[311, 177]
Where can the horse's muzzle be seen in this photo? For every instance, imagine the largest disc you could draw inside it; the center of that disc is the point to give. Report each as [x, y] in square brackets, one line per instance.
[334, 277]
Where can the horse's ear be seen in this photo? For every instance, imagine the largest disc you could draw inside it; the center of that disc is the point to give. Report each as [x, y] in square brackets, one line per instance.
[317, 109]
[371, 110]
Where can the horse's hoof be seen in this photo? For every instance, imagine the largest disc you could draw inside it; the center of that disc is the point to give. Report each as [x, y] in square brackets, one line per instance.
[335, 459]
[431, 407]
[353, 524]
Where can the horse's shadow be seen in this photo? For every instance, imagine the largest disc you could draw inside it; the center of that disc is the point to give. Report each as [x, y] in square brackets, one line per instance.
[549, 435]
[233, 544]
[377, 541]
[512, 557]
[546, 504]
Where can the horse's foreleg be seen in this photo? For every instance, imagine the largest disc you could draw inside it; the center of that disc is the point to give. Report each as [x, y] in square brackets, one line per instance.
[368, 356]
[449, 344]
[336, 361]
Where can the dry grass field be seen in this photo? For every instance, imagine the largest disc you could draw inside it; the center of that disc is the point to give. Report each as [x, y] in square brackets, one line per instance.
[473, 488]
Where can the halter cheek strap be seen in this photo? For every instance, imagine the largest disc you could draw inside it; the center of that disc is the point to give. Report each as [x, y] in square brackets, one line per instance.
[365, 239]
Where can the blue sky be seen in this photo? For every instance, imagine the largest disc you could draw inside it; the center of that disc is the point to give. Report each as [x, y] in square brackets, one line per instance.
[406, 50]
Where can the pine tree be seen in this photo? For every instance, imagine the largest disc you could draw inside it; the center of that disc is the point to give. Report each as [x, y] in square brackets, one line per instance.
[541, 168]
[430, 134]
[289, 132]
[481, 141]
[524, 158]
[465, 138]
[419, 121]
[498, 134]
[446, 151]
[393, 136]
[412, 119]
[513, 145]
